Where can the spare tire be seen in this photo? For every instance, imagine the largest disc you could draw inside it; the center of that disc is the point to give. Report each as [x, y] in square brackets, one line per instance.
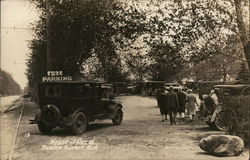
[50, 116]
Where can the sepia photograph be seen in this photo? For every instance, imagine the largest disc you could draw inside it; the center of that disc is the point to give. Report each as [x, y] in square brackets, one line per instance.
[124, 80]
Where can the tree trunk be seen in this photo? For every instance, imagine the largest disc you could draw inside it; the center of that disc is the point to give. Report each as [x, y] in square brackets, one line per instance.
[49, 56]
[242, 30]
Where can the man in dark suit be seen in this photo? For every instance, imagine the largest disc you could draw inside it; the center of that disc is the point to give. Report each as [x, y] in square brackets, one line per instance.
[182, 103]
[173, 104]
[162, 104]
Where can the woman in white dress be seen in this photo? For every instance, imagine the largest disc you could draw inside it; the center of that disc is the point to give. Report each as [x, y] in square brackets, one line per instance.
[191, 104]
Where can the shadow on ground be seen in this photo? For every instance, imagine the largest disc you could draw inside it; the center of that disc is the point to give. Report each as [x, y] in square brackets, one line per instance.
[63, 132]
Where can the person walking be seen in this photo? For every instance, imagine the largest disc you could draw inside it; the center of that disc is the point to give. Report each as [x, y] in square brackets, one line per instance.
[191, 104]
[202, 107]
[172, 103]
[182, 104]
[162, 105]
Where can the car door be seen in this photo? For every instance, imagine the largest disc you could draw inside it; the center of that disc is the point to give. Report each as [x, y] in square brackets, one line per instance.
[87, 100]
[96, 97]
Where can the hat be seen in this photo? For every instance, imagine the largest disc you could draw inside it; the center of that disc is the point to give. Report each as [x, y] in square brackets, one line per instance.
[166, 88]
[189, 91]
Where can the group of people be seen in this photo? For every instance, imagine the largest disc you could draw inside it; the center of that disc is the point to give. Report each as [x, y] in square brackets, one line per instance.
[173, 101]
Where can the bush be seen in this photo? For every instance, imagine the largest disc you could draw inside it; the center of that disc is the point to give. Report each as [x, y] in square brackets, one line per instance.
[238, 107]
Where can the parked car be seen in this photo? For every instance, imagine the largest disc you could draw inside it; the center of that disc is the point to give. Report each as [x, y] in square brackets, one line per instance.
[149, 88]
[219, 117]
[176, 86]
[74, 105]
[131, 89]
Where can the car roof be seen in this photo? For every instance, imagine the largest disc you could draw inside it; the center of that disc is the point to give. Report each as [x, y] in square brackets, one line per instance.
[171, 84]
[232, 86]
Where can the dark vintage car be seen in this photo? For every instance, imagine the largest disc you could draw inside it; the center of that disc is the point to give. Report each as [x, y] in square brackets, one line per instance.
[73, 105]
[148, 88]
[218, 118]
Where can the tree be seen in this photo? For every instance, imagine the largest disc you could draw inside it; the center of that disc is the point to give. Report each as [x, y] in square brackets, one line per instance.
[242, 28]
[139, 66]
[8, 86]
[198, 30]
[166, 62]
[222, 66]
[72, 31]
[176, 34]
[243, 75]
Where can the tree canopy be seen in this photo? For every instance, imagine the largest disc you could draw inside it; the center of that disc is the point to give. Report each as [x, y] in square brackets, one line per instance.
[117, 40]
[8, 86]
[72, 31]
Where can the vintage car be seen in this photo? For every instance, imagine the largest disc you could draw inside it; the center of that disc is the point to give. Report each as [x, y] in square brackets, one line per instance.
[149, 88]
[73, 105]
[218, 116]
[176, 86]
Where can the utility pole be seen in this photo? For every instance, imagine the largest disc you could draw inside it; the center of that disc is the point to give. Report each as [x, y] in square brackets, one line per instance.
[49, 56]
[1, 37]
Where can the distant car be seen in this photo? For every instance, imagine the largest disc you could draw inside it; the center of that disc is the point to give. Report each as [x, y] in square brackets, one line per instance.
[176, 86]
[131, 89]
[73, 105]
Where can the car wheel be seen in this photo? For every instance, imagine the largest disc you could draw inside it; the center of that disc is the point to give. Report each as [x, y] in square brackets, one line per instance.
[118, 116]
[80, 123]
[221, 123]
[43, 128]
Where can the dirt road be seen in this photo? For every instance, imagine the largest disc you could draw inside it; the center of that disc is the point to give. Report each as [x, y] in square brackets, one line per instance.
[142, 135]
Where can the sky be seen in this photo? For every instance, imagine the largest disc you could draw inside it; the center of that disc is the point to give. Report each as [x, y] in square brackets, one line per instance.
[14, 42]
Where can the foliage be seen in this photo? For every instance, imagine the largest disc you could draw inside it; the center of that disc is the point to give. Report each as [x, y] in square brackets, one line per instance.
[220, 67]
[72, 31]
[166, 61]
[240, 105]
[152, 39]
[136, 63]
[197, 30]
[8, 85]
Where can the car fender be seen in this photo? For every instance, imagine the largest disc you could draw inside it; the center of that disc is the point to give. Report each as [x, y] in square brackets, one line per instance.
[68, 121]
[79, 110]
[113, 105]
[113, 108]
